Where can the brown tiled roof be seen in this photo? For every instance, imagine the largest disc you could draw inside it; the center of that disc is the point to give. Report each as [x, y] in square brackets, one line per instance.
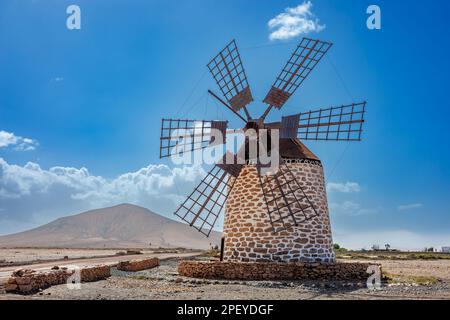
[294, 149]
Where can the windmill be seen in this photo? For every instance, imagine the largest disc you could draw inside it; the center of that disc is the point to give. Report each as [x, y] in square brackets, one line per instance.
[282, 214]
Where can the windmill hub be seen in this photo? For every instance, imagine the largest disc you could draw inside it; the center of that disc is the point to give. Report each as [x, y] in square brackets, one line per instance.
[255, 124]
[280, 215]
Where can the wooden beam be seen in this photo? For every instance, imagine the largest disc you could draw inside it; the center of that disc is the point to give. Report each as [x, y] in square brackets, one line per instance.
[277, 125]
[208, 198]
[300, 126]
[226, 105]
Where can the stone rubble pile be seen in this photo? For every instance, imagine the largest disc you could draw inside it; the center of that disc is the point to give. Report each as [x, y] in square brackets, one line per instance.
[274, 271]
[27, 281]
[138, 265]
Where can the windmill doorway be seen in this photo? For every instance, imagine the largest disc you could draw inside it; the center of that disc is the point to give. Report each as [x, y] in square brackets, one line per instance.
[222, 248]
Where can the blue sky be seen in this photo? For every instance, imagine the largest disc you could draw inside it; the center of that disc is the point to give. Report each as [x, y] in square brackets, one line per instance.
[84, 106]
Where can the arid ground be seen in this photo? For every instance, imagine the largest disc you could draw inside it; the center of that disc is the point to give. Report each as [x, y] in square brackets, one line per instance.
[408, 277]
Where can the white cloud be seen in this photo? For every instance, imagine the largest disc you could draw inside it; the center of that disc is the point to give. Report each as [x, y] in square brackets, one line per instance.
[344, 208]
[350, 208]
[20, 144]
[347, 187]
[294, 22]
[32, 193]
[7, 138]
[404, 207]
[398, 239]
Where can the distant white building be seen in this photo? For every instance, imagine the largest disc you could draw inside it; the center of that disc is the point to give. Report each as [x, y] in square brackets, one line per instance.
[446, 249]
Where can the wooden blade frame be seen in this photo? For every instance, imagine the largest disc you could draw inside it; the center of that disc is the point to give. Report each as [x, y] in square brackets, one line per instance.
[289, 127]
[342, 123]
[287, 203]
[204, 205]
[228, 71]
[180, 136]
[304, 59]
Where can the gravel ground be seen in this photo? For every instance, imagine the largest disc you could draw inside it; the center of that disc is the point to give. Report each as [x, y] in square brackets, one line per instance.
[164, 283]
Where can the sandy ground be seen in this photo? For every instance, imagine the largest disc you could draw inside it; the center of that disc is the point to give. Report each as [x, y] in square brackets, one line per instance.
[164, 283]
[439, 269]
[15, 256]
[85, 261]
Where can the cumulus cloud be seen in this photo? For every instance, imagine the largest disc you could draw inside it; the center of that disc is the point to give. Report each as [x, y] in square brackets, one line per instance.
[347, 187]
[8, 139]
[404, 207]
[31, 193]
[294, 22]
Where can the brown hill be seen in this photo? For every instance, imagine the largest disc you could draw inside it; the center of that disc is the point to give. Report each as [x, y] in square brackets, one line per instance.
[122, 226]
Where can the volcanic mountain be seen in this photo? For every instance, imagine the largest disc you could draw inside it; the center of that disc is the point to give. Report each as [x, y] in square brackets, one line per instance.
[122, 226]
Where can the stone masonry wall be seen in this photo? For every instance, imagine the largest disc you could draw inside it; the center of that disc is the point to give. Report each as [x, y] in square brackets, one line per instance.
[274, 271]
[249, 235]
[27, 281]
[138, 265]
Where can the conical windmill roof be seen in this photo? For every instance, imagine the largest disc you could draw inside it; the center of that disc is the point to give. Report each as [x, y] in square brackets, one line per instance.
[294, 149]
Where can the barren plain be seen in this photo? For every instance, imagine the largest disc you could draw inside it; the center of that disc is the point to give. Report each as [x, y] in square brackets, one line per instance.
[406, 279]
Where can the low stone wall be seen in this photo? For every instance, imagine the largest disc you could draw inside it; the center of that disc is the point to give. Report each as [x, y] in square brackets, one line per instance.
[27, 281]
[274, 271]
[138, 265]
[95, 273]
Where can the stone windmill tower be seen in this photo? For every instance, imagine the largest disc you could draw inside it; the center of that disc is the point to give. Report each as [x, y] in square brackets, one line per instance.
[276, 210]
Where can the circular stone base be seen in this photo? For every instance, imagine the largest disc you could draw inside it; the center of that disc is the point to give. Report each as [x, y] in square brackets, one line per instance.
[250, 234]
[274, 270]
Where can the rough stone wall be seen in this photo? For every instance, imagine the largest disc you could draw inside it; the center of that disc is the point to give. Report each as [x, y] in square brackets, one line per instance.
[138, 265]
[274, 271]
[27, 281]
[96, 273]
[249, 235]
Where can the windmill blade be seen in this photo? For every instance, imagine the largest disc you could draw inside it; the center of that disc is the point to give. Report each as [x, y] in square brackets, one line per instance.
[286, 201]
[181, 136]
[204, 205]
[304, 59]
[229, 74]
[289, 126]
[344, 123]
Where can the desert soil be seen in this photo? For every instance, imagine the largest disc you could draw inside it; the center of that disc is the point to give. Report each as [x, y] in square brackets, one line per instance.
[80, 258]
[163, 282]
[30, 255]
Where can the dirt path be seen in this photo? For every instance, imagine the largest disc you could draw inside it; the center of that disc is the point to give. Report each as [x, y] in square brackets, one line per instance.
[5, 272]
